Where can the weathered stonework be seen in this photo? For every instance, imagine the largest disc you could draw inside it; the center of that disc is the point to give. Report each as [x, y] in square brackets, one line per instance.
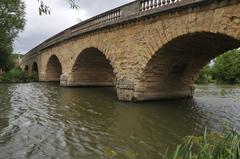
[152, 55]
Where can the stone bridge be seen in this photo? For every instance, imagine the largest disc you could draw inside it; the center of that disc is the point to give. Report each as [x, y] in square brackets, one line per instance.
[147, 49]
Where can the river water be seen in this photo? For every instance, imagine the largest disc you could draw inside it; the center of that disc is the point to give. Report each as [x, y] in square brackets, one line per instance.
[43, 120]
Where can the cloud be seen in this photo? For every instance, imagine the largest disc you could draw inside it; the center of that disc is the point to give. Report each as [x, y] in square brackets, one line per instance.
[39, 28]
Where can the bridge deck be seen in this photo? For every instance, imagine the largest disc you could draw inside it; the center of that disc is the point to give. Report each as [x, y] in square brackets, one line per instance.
[126, 13]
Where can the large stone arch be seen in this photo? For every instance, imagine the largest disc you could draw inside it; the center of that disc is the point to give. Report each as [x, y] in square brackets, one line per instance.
[53, 70]
[215, 22]
[91, 68]
[172, 70]
[161, 30]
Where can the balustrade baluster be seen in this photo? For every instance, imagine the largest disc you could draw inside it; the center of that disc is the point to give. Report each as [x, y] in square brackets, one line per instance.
[159, 3]
[173, 1]
[151, 4]
[142, 5]
[155, 4]
[147, 4]
[168, 1]
[163, 2]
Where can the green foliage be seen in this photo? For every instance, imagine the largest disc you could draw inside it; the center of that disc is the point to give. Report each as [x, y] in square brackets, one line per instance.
[205, 76]
[16, 75]
[11, 23]
[6, 61]
[208, 146]
[227, 67]
[12, 18]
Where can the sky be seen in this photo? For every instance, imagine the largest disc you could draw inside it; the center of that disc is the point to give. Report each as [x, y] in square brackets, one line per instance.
[40, 28]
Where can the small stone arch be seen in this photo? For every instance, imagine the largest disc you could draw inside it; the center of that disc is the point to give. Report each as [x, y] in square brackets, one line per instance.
[26, 68]
[53, 69]
[92, 68]
[35, 71]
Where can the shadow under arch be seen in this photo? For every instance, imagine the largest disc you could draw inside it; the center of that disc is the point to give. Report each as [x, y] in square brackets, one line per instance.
[26, 68]
[53, 70]
[172, 70]
[92, 68]
[35, 72]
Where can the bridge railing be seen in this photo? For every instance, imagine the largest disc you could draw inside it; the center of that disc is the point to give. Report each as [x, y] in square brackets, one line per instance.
[134, 9]
[152, 4]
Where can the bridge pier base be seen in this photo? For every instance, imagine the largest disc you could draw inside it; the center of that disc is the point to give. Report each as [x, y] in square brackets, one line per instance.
[64, 80]
[125, 94]
[43, 78]
[125, 90]
[146, 96]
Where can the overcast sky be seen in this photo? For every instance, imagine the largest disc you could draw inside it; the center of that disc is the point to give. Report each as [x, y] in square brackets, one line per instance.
[39, 28]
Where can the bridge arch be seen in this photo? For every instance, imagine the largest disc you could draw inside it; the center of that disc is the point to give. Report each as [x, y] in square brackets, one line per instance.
[173, 69]
[35, 71]
[26, 68]
[92, 68]
[53, 69]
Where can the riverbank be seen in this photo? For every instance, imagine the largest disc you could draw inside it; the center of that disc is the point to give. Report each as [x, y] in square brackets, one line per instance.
[17, 76]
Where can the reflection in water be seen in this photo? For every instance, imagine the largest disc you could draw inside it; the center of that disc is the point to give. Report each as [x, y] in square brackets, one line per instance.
[40, 120]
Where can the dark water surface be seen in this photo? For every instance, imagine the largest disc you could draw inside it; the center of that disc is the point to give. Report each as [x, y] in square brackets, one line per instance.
[40, 120]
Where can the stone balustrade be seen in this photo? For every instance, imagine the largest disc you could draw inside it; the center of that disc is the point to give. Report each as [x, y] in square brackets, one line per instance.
[152, 4]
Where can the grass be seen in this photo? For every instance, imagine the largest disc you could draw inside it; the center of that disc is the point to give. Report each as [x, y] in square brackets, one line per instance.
[208, 146]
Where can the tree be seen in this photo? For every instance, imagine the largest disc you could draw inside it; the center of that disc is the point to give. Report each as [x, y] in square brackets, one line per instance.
[205, 75]
[45, 9]
[227, 67]
[11, 23]
[12, 17]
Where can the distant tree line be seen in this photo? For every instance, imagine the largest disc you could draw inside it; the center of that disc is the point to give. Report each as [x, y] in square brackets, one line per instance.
[225, 68]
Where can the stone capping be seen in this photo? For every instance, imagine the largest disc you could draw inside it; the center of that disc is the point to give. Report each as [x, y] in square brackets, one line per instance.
[132, 11]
